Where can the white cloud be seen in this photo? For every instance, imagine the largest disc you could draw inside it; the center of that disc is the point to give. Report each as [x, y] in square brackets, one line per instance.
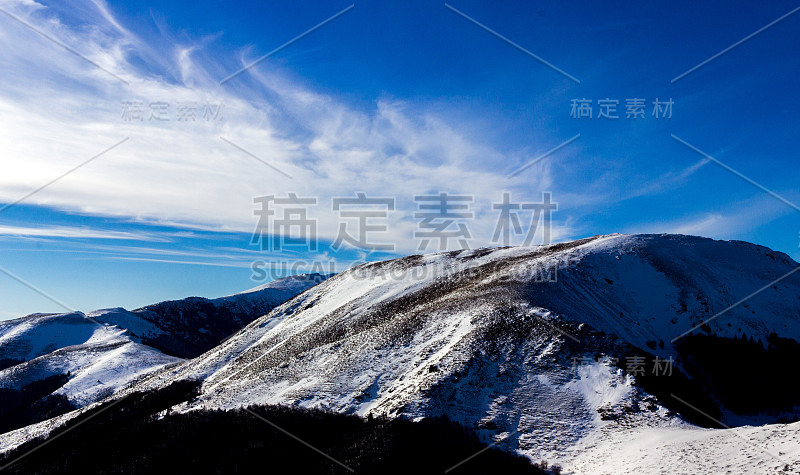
[182, 262]
[10, 315]
[77, 232]
[723, 223]
[57, 110]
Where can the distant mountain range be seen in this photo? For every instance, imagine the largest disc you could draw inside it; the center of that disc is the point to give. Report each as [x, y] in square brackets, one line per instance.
[589, 353]
[86, 357]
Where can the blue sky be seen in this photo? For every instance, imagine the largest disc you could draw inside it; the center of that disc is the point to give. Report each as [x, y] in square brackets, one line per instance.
[390, 99]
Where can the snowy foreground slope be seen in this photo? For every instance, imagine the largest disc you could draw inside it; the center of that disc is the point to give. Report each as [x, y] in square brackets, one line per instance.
[489, 338]
[106, 350]
[772, 448]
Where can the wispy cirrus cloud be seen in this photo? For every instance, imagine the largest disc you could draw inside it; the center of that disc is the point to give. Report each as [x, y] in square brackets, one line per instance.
[78, 232]
[9, 315]
[742, 217]
[182, 172]
[57, 109]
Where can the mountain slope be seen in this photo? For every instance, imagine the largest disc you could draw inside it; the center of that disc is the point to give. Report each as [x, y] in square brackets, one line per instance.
[478, 337]
[96, 354]
[536, 365]
[140, 435]
[772, 448]
[99, 358]
[189, 327]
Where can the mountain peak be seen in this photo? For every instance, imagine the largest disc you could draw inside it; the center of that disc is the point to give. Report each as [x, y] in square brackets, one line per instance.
[490, 337]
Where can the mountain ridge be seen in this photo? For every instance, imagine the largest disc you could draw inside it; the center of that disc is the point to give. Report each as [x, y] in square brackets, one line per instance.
[98, 353]
[468, 333]
[525, 345]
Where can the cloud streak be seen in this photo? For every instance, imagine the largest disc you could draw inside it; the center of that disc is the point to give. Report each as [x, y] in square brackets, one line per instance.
[79, 233]
[180, 171]
[721, 223]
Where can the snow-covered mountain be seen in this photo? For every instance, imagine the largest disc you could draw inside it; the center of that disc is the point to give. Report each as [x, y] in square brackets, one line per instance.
[99, 358]
[481, 337]
[105, 350]
[189, 327]
[532, 347]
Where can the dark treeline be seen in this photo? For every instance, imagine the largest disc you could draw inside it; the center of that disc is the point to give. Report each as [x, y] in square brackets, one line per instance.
[129, 438]
[686, 387]
[748, 376]
[33, 403]
[743, 375]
